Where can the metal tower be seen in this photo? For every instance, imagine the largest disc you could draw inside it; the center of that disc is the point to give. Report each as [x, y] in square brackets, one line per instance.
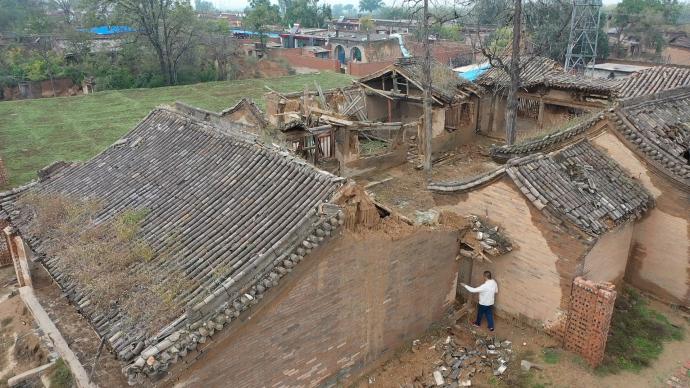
[584, 32]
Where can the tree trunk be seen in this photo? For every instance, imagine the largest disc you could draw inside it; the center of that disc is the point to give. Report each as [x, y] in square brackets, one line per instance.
[511, 106]
[427, 92]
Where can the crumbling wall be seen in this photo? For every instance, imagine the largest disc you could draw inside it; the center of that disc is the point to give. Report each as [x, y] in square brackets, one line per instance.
[589, 319]
[534, 280]
[607, 260]
[351, 302]
[659, 260]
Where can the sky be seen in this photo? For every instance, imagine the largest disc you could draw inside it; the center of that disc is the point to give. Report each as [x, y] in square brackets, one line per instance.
[242, 4]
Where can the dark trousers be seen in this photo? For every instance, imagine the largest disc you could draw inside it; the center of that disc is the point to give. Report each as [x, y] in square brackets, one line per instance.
[485, 310]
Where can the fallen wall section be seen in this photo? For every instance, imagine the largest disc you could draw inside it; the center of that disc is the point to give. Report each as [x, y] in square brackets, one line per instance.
[589, 319]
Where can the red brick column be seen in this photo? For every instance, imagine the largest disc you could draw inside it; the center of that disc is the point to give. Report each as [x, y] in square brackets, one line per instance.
[589, 319]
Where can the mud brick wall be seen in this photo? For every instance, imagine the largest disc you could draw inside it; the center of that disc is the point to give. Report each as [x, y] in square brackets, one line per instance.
[589, 319]
[349, 304]
[659, 260]
[534, 280]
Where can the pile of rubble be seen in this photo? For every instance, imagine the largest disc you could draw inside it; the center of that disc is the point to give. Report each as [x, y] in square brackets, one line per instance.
[458, 364]
[483, 238]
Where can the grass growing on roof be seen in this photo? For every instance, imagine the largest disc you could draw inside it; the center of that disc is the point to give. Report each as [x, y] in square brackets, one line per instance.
[34, 133]
[107, 259]
[637, 334]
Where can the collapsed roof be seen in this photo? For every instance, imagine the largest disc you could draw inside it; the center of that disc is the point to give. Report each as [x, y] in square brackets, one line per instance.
[230, 203]
[658, 128]
[536, 70]
[578, 184]
[654, 80]
[446, 85]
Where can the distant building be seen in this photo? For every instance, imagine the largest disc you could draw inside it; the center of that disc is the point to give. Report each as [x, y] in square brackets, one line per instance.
[613, 70]
[381, 26]
[678, 50]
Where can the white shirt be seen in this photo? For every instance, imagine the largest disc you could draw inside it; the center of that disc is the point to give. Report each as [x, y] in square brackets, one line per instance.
[486, 292]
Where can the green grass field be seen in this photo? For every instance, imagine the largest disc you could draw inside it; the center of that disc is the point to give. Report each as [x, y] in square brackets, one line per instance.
[34, 133]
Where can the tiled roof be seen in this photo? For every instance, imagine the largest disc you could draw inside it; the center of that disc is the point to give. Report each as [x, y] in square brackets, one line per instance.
[544, 71]
[658, 127]
[582, 185]
[546, 143]
[235, 203]
[653, 80]
[578, 184]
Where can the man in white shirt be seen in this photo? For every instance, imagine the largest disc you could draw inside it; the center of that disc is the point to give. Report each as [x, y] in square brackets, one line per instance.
[486, 292]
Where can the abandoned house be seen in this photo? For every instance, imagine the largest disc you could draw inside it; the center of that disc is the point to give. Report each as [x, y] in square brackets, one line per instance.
[248, 256]
[569, 213]
[548, 97]
[377, 122]
[652, 141]
[648, 136]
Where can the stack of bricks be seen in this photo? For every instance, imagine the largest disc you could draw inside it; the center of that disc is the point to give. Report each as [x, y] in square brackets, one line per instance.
[3, 174]
[589, 319]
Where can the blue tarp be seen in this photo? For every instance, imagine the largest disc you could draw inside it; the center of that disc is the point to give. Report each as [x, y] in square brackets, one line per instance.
[473, 74]
[247, 32]
[108, 30]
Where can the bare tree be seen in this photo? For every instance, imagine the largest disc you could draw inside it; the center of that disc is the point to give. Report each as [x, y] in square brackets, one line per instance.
[441, 15]
[512, 64]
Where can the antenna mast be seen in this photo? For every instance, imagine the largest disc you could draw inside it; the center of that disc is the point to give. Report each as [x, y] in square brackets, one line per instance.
[584, 33]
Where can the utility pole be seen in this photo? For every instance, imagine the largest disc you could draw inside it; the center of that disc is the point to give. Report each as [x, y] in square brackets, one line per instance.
[427, 92]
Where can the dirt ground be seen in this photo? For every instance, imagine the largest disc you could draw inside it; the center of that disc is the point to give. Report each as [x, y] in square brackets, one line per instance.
[404, 187]
[414, 366]
[20, 347]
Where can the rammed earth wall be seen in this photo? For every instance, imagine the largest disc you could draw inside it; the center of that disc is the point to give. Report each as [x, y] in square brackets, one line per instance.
[350, 303]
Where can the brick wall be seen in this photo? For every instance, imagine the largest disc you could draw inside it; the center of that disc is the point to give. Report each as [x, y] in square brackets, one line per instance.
[677, 56]
[659, 260]
[534, 280]
[589, 319]
[350, 302]
[295, 58]
[361, 69]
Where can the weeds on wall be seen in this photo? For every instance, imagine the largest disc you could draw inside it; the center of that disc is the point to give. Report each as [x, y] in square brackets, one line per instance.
[637, 334]
[106, 257]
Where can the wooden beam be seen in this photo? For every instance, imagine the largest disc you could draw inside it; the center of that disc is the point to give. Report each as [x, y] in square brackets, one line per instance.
[377, 91]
